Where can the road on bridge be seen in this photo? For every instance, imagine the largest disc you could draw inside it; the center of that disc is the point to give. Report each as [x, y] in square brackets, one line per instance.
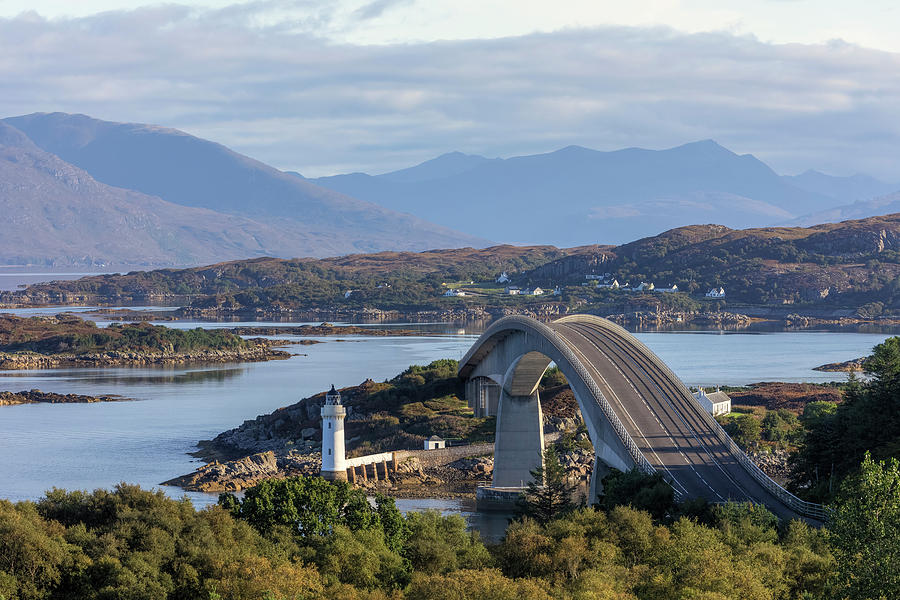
[664, 421]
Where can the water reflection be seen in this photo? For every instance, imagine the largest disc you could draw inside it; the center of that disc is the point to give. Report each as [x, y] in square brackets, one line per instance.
[130, 375]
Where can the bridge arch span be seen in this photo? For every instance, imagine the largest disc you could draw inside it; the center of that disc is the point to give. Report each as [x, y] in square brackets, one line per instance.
[637, 412]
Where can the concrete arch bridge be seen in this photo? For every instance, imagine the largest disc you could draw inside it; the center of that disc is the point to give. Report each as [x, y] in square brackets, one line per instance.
[637, 412]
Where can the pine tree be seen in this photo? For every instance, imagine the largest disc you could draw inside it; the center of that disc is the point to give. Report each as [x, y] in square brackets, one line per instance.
[549, 493]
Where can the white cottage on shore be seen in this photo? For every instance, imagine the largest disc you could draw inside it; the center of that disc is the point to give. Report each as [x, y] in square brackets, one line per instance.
[715, 403]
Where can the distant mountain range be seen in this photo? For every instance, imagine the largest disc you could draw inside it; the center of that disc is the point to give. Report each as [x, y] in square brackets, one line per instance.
[581, 196]
[77, 190]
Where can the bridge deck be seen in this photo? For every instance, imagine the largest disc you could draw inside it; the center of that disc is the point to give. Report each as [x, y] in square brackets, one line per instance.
[663, 420]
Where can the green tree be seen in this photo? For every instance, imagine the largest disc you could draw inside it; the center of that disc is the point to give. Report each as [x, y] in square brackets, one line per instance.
[868, 420]
[865, 532]
[638, 490]
[361, 559]
[33, 552]
[308, 506]
[441, 544]
[745, 429]
[549, 493]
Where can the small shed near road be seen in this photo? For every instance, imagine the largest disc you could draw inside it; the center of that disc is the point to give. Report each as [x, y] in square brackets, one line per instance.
[435, 443]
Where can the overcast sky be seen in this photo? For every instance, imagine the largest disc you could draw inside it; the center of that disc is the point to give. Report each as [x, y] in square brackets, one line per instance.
[322, 86]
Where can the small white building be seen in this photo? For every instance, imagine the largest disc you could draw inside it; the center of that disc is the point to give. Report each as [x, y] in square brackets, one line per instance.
[591, 277]
[348, 293]
[512, 290]
[668, 290]
[557, 291]
[454, 292]
[644, 287]
[716, 292]
[715, 403]
[535, 292]
[435, 443]
[504, 278]
[613, 285]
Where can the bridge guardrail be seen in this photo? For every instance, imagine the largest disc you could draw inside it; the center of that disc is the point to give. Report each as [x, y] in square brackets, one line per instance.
[798, 505]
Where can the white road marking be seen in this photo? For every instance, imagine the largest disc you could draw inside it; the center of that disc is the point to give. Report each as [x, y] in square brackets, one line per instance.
[587, 362]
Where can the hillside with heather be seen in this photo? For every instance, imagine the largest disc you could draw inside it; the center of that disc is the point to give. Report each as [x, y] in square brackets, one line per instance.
[837, 265]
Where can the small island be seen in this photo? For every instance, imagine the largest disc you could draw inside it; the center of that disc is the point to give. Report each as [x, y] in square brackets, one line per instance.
[39, 397]
[67, 340]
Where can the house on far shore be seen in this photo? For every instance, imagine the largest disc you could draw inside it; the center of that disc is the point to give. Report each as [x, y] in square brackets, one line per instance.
[668, 290]
[644, 287]
[716, 403]
[535, 292]
[614, 285]
[512, 290]
[504, 278]
[435, 443]
[716, 292]
[557, 291]
[453, 292]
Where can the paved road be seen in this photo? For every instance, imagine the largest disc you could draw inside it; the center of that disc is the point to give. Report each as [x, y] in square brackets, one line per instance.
[663, 420]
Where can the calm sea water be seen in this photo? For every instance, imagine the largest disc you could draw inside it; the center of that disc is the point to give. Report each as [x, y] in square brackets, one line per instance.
[147, 441]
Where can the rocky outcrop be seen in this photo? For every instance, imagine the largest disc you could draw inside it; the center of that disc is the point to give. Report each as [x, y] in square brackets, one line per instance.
[246, 472]
[39, 397]
[652, 318]
[848, 366]
[775, 464]
[27, 360]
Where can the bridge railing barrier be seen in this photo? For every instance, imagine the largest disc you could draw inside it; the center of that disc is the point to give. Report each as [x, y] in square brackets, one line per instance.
[819, 512]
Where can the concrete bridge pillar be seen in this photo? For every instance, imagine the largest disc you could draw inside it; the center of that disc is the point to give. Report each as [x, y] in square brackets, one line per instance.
[519, 441]
[601, 470]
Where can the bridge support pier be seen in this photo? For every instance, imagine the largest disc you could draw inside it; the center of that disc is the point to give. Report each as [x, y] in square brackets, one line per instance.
[519, 441]
[600, 471]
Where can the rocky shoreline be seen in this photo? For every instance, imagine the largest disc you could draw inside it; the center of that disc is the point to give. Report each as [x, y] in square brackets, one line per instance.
[39, 397]
[848, 366]
[324, 330]
[257, 353]
[721, 320]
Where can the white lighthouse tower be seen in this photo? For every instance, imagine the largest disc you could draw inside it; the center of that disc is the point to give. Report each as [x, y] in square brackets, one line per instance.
[334, 462]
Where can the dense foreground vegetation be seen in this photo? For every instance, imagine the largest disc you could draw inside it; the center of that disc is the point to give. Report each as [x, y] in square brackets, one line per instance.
[308, 538]
[837, 436]
[72, 335]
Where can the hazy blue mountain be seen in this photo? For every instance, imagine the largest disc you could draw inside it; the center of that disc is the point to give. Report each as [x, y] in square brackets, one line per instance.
[846, 189]
[57, 214]
[185, 170]
[580, 196]
[445, 165]
[883, 205]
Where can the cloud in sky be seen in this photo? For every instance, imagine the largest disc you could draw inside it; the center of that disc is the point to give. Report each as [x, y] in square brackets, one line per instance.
[276, 90]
